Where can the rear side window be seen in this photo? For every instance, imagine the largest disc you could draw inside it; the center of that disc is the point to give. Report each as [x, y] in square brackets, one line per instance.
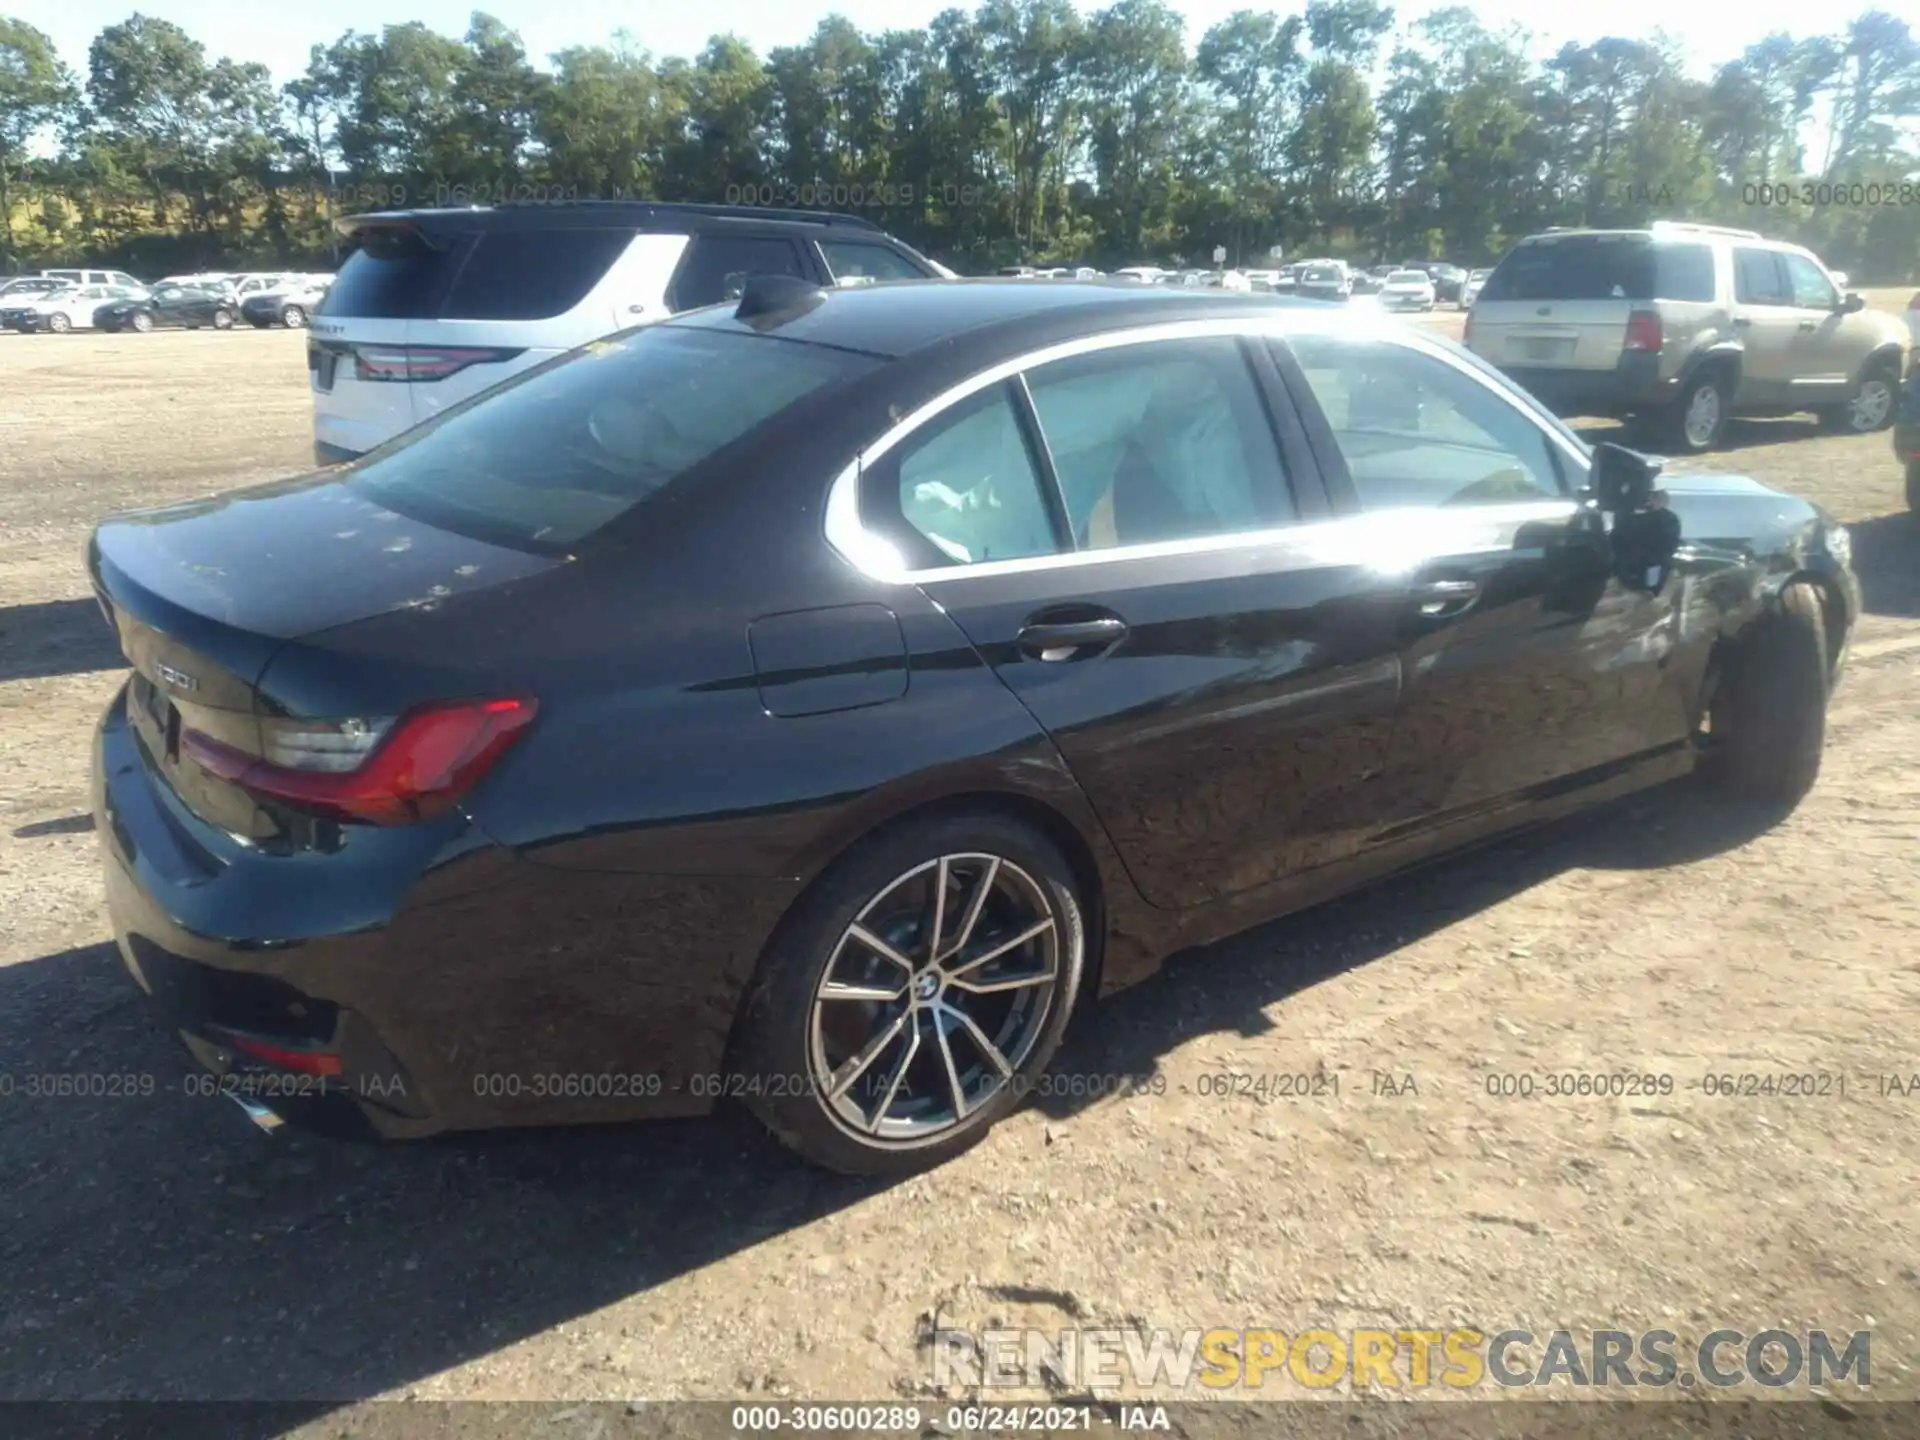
[1577, 268]
[556, 454]
[857, 260]
[396, 274]
[532, 274]
[1683, 272]
[716, 267]
[1757, 279]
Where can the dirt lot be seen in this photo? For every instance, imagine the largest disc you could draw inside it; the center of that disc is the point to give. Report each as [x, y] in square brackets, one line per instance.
[158, 1247]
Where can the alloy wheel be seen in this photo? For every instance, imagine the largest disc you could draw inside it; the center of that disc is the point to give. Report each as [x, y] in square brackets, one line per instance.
[1871, 404]
[1703, 416]
[933, 999]
[142, 321]
[293, 317]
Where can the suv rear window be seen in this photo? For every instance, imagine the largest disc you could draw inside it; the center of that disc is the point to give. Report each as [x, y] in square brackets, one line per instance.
[532, 274]
[396, 274]
[566, 448]
[1593, 267]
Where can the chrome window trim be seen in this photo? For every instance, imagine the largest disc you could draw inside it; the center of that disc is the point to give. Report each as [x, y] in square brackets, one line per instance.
[877, 558]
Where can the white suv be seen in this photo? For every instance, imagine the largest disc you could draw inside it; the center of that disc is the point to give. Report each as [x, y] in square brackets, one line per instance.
[438, 305]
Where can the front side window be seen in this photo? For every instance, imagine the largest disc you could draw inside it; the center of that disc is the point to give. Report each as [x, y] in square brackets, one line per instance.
[1161, 441]
[964, 490]
[716, 267]
[1757, 279]
[1416, 432]
[1812, 290]
[850, 260]
[552, 456]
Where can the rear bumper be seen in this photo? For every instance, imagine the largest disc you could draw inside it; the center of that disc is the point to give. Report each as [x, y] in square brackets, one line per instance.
[500, 992]
[1633, 384]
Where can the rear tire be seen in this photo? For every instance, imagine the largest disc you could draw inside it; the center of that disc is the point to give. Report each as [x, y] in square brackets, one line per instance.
[223, 319]
[1770, 712]
[141, 321]
[1697, 420]
[59, 324]
[817, 1068]
[293, 317]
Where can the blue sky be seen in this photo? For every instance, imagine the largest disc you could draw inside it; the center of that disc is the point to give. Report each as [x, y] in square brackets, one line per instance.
[278, 33]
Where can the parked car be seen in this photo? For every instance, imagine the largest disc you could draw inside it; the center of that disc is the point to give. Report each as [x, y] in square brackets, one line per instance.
[95, 277]
[21, 287]
[1906, 436]
[59, 311]
[1407, 290]
[1365, 282]
[1913, 320]
[438, 305]
[1448, 281]
[1681, 326]
[1017, 272]
[289, 306]
[1142, 274]
[1323, 282]
[1470, 288]
[404, 814]
[177, 306]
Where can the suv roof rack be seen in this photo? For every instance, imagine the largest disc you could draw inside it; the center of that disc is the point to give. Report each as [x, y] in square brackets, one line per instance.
[1692, 227]
[637, 212]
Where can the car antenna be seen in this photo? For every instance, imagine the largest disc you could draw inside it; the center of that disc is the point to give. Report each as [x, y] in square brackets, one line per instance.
[767, 301]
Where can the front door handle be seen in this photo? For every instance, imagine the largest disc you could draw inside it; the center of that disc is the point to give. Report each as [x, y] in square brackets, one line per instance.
[1441, 599]
[1071, 639]
[1809, 325]
[1742, 322]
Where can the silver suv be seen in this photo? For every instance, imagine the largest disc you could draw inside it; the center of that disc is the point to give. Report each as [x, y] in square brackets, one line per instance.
[1682, 326]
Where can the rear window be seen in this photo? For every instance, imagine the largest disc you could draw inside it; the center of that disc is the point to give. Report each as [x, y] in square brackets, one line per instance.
[1592, 267]
[551, 457]
[396, 274]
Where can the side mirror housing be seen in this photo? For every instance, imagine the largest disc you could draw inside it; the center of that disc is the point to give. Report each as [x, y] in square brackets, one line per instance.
[1854, 303]
[1644, 534]
[1621, 480]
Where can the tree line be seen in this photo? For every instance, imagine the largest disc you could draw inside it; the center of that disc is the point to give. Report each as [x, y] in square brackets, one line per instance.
[1024, 131]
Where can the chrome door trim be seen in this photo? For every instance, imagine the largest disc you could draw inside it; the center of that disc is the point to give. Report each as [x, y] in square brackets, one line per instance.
[877, 558]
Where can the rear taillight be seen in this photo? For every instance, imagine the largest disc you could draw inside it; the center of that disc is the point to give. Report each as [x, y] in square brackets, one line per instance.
[1643, 331]
[416, 363]
[370, 771]
[301, 1060]
[1466, 329]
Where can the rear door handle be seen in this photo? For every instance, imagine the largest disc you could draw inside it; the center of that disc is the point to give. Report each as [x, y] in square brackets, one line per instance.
[1809, 325]
[1440, 599]
[1070, 639]
[1741, 322]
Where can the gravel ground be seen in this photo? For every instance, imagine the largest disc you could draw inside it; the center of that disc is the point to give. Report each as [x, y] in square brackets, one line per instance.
[156, 1247]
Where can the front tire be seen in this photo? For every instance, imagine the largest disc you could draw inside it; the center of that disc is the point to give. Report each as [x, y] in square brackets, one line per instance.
[1871, 406]
[223, 319]
[1769, 714]
[1698, 419]
[293, 317]
[141, 321]
[59, 324]
[914, 994]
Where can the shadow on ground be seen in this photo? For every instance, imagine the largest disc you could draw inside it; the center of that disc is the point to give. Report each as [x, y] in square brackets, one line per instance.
[160, 1248]
[56, 637]
[1886, 557]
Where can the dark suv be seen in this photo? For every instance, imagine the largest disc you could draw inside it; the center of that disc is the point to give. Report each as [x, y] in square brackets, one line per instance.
[438, 305]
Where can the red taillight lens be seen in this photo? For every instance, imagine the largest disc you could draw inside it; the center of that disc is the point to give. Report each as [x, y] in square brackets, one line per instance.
[417, 769]
[416, 363]
[1643, 331]
[300, 1062]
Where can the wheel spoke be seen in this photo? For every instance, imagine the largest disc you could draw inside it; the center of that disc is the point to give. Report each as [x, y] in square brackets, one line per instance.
[988, 1050]
[879, 1116]
[1030, 933]
[938, 906]
[841, 990]
[954, 1086]
[975, 904]
[843, 1078]
[989, 987]
[879, 947]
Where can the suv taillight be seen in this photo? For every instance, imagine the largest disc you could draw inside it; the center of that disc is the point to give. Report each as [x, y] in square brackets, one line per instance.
[1643, 331]
[370, 772]
[416, 363]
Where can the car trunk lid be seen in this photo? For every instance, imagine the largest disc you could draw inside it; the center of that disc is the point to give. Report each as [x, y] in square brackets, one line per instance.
[1563, 302]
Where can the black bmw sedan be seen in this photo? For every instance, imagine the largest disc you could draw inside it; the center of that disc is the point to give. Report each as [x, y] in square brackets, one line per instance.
[816, 701]
[179, 306]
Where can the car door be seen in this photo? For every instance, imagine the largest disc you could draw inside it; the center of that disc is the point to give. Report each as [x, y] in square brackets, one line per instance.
[1525, 663]
[1827, 349]
[1121, 530]
[1768, 325]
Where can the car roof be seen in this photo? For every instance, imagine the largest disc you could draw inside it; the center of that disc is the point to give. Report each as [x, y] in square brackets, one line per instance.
[904, 317]
[601, 214]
